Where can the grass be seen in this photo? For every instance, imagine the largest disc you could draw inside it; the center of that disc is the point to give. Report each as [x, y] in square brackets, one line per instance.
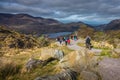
[8, 69]
[106, 53]
[81, 44]
[49, 69]
[66, 50]
[12, 71]
[101, 48]
[21, 56]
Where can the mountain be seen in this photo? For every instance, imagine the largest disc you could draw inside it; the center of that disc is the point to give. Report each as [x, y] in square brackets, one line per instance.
[100, 27]
[113, 25]
[28, 24]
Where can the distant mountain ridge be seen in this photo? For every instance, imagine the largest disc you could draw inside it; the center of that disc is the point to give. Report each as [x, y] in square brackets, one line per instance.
[113, 25]
[28, 24]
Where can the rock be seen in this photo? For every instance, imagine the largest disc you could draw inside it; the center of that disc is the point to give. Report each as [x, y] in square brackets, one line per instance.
[59, 54]
[49, 52]
[87, 75]
[73, 59]
[117, 51]
[32, 63]
[65, 75]
[109, 69]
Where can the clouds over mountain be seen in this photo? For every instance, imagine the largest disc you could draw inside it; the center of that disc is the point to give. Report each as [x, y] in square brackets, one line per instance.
[71, 10]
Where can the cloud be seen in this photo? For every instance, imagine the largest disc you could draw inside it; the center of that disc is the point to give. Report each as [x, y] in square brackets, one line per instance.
[69, 10]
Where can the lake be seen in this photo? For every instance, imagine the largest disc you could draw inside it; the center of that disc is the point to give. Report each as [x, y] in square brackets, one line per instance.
[55, 35]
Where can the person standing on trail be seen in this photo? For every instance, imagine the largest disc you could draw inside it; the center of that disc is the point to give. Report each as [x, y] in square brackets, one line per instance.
[88, 42]
[72, 37]
[68, 41]
[59, 40]
[75, 37]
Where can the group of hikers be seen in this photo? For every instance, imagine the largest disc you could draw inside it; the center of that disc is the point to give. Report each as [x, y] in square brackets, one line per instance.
[67, 40]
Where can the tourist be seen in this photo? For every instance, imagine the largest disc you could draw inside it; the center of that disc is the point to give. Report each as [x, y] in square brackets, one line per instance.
[68, 41]
[88, 42]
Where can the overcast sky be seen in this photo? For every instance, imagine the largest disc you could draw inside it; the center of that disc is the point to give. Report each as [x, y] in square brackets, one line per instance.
[91, 11]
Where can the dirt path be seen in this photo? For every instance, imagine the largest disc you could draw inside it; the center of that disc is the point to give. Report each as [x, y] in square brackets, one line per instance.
[75, 47]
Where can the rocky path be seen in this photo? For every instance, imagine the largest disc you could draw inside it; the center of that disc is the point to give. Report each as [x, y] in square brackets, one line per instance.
[109, 69]
[74, 46]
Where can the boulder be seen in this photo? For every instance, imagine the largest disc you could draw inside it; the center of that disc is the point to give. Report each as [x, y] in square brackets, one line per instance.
[65, 75]
[49, 52]
[59, 54]
[117, 51]
[109, 69]
[32, 63]
[75, 58]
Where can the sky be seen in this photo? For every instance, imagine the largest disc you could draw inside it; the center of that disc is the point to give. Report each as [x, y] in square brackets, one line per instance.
[88, 11]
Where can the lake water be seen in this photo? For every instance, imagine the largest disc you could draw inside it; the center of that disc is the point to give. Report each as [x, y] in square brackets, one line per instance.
[55, 35]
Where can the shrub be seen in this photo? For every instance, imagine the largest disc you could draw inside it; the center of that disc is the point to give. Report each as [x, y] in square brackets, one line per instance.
[8, 69]
[43, 41]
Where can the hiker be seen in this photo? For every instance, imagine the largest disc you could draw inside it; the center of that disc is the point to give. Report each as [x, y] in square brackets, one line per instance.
[88, 42]
[65, 38]
[75, 37]
[59, 40]
[68, 41]
[71, 37]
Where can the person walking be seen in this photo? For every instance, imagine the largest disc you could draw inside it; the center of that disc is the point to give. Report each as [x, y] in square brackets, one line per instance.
[88, 42]
[68, 41]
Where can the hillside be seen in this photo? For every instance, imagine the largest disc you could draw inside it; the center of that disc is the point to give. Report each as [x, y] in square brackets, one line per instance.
[113, 25]
[28, 24]
[13, 40]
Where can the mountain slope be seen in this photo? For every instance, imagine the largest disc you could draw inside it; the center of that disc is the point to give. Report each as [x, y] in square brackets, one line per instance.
[113, 25]
[28, 24]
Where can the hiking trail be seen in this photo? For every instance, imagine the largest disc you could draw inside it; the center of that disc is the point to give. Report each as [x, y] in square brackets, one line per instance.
[74, 46]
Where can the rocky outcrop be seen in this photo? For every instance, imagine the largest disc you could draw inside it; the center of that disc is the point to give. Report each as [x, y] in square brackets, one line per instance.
[73, 64]
[49, 52]
[32, 63]
[116, 52]
[65, 75]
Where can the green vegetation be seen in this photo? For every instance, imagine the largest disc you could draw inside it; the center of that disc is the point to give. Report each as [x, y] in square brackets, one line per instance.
[8, 69]
[106, 53]
[81, 44]
[13, 41]
[111, 36]
[85, 30]
[16, 49]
